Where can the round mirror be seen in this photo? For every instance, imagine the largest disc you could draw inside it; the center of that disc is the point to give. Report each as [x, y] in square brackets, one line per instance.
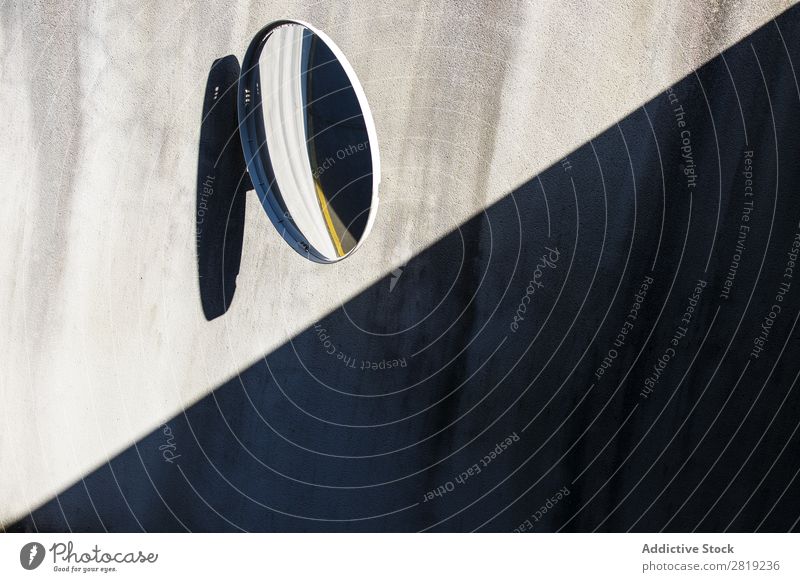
[308, 140]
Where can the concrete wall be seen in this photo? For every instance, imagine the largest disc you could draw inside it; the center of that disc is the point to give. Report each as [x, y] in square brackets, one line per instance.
[104, 337]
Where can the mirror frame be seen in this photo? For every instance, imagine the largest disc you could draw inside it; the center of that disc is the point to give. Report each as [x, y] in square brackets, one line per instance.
[252, 133]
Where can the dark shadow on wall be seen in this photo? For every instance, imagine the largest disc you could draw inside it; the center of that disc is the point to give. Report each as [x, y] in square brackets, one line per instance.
[222, 184]
[578, 357]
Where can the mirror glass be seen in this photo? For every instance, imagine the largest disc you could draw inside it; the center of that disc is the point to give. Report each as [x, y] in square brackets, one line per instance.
[309, 140]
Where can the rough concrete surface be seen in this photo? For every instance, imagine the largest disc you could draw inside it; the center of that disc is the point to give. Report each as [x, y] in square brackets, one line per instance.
[104, 337]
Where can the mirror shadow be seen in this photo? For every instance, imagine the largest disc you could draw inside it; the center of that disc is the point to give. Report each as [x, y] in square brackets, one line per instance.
[222, 183]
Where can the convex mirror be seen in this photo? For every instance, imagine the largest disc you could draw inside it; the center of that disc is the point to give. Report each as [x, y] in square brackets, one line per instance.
[309, 140]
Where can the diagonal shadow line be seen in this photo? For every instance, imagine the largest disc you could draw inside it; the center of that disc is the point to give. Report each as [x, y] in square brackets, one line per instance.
[342, 427]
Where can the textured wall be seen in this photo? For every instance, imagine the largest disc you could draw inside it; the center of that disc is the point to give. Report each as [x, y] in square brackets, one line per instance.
[104, 337]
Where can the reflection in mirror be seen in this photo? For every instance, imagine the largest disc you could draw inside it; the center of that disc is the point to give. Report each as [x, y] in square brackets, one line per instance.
[309, 140]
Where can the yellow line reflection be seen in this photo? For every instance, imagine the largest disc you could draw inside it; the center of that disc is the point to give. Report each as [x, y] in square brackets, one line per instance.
[324, 205]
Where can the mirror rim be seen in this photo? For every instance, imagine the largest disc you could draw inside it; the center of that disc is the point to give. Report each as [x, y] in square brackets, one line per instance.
[247, 122]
